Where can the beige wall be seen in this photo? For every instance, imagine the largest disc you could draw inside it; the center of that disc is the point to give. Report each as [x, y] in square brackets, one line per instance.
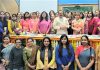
[8, 6]
[95, 7]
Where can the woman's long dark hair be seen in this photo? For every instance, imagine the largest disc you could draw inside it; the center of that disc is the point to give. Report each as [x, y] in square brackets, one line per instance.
[46, 18]
[43, 46]
[91, 13]
[52, 12]
[86, 38]
[25, 16]
[61, 45]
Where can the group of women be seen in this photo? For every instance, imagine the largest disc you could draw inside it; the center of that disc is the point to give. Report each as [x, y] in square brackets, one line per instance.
[46, 57]
[57, 23]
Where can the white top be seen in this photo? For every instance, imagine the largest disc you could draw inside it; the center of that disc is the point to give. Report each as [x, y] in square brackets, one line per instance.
[61, 25]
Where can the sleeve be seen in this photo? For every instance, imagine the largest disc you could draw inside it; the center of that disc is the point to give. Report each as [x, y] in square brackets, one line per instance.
[72, 52]
[9, 27]
[19, 26]
[30, 26]
[77, 52]
[93, 52]
[1, 28]
[49, 27]
[39, 27]
[95, 28]
[73, 25]
[82, 31]
[21, 22]
[25, 56]
[58, 61]
[0, 53]
[3, 52]
[11, 58]
[67, 23]
[52, 63]
[39, 64]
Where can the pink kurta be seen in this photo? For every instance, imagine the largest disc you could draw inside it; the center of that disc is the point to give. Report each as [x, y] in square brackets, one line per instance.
[96, 24]
[25, 24]
[34, 25]
[77, 25]
[44, 26]
[88, 25]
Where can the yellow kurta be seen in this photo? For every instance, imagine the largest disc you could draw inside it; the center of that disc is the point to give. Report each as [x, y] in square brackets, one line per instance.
[40, 65]
[10, 27]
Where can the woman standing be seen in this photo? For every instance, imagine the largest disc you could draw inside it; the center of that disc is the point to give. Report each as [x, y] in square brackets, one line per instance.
[44, 25]
[6, 51]
[78, 24]
[46, 56]
[3, 25]
[34, 23]
[16, 56]
[14, 26]
[96, 23]
[25, 22]
[84, 55]
[2, 46]
[29, 55]
[64, 54]
[88, 27]
[52, 16]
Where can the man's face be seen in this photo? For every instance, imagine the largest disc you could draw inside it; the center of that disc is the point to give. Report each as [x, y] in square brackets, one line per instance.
[60, 13]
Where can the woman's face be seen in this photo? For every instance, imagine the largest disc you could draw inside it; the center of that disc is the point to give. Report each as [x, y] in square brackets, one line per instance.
[18, 42]
[38, 14]
[84, 41]
[34, 15]
[6, 40]
[96, 13]
[85, 14]
[77, 16]
[19, 15]
[7, 15]
[64, 40]
[46, 42]
[43, 14]
[52, 17]
[90, 14]
[51, 13]
[2, 14]
[60, 13]
[29, 43]
[14, 18]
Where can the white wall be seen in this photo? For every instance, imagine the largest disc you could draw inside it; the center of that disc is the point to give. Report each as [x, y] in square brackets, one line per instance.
[38, 5]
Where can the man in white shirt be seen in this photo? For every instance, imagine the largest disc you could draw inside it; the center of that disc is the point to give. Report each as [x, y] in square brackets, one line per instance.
[61, 23]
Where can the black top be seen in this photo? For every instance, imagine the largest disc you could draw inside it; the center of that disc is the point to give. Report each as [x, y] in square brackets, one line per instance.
[16, 58]
[1, 48]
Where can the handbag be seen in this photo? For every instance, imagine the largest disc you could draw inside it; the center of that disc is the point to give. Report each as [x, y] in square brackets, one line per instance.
[93, 66]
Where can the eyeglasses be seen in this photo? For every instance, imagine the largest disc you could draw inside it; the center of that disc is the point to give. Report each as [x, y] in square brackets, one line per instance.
[18, 42]
[29, 41]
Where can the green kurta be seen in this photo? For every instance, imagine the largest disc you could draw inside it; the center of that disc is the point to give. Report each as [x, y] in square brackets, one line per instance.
[26, 55]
